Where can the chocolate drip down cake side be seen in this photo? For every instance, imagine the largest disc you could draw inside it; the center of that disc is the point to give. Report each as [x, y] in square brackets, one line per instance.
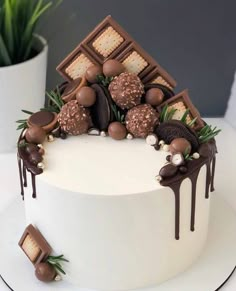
[116, 171]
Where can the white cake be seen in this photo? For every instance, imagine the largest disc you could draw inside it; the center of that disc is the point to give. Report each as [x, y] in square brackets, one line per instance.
[99, 204]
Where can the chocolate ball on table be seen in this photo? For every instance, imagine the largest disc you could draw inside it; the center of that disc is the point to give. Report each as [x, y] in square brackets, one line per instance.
[112, 68]
[126, 90]
[35, 134]
[45, 272]
[141, 120]
[154, 96]
[92, 73]
[180, 145]
[86, 96]
[117, 130]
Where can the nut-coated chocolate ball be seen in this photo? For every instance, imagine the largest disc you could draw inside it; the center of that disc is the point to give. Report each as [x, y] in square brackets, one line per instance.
[154, 96]
[45, 272]
[112, 68]
[180, 145]
[35, 134]
[92, 73]
[86, 96]
[35, 158]
[117, 130]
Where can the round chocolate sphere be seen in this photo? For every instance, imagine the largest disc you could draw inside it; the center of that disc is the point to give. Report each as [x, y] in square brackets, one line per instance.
[126, 90]
[45, 272]
[86, 96]
[30, 148]
[35, 158]
[117, 130]
[74, 119]
[180, 145]
[141, 120]
[92, 73]
[112, 68]
[35, 134]
[154, 96]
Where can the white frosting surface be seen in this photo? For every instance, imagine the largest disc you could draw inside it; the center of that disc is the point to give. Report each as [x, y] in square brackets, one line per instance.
[101, 165]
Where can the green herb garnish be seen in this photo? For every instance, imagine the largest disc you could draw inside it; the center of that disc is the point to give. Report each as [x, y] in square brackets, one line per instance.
[207, 133]
[23, 122]
[118, 115]
[167, 113]
[105, 81]
[55, 101]
[56, 261]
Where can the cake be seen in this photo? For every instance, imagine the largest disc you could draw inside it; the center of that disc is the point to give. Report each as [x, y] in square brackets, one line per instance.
[121, 169]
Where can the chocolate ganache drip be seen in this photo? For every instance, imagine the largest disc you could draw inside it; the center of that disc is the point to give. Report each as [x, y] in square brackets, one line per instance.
[207, 159]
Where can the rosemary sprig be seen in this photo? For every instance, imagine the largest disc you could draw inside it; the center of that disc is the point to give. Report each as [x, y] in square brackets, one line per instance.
[23, 122]
[55, 101]
[105, 81]
[187, 155]
[56, 261]
[167, 113]
[207, 133]
[184, 117]
[192, 122]
[118, 115]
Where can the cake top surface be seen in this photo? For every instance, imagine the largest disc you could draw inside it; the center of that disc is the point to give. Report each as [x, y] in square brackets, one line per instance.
[101, 165]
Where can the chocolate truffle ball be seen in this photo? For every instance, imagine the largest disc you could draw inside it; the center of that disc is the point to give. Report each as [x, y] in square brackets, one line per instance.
[117, 130]
[141, 120]
[86, 96]
[35, 134]
[112, 68]
[126, 90]
[35, 158]
[180, 145]
[45, 272]
[92, 73]
[74, 118]
[154, 96]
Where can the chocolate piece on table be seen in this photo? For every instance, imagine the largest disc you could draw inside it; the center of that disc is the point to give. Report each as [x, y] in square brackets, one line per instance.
[34, 245]
[35, 134]
[101, 111]
[110, 41]
[117, 130]
[154, 96]
[180, 145]
[172, 129]
[181, 102]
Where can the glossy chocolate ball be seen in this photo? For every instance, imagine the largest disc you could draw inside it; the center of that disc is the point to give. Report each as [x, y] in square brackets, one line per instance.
[86, 96]
[92, 73]
[112, 68]
[35, 158]
[30, 148]
[180, 145]
[45, 272]
[154, 96]
[117, 130]
[35, 134]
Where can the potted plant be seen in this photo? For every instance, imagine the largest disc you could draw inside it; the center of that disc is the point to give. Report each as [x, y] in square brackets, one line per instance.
[23, 62]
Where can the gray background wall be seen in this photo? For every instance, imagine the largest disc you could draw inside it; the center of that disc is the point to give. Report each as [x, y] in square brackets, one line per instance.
[194, 40]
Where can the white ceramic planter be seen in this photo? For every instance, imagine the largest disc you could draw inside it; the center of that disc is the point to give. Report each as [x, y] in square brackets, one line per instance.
[22, 86]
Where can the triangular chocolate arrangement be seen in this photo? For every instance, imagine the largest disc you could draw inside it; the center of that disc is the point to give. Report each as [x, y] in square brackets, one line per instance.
[110, 41]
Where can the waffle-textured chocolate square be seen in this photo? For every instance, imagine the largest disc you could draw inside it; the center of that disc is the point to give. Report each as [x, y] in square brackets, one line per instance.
[34, 245]
[181, 102]
[110, 41]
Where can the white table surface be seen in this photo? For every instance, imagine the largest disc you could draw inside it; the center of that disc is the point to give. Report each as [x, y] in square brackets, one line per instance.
[225, 173]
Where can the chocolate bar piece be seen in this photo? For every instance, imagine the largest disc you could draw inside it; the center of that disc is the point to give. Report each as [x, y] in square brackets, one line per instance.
[110, 41]
[34, 245]
[181, 102]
